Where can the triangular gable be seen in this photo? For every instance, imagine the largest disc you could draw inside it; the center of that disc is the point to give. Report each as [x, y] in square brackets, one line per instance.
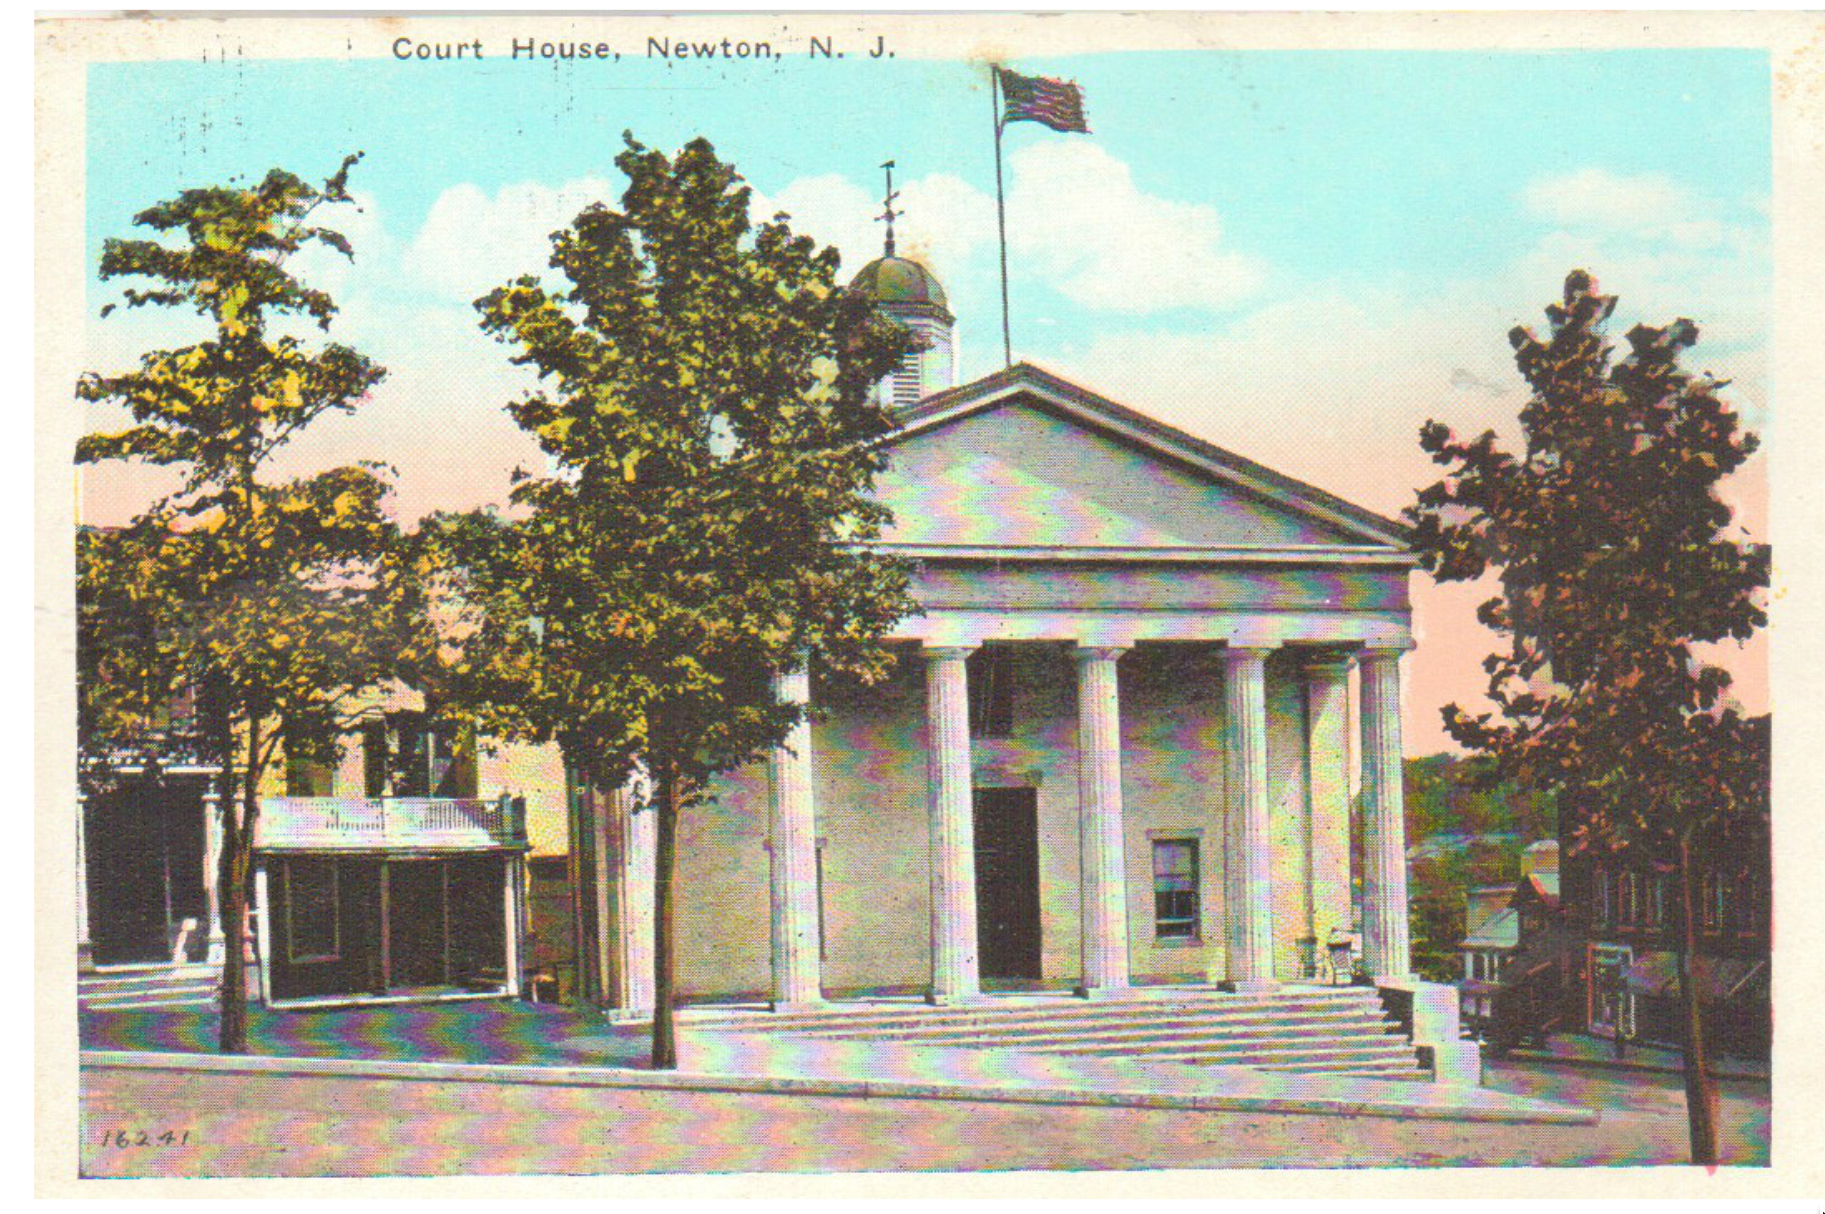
[1023, 459]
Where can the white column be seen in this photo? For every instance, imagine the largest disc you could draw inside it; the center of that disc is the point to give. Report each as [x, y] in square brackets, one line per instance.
[510, 891]
[792, 847]
[955, 976]
[1327, 686]
[212, 871]
[1249, 914]
[263, 926]
[1384, 912]
[1102, 862]
[85, 948]
[633, 846]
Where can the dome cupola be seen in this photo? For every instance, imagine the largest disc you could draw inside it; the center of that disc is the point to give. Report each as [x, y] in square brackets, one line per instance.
[911, 294]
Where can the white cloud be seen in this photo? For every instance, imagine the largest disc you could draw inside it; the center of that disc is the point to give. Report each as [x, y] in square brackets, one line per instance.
[944, 220]
[1104, 243]
[472, 242]
[1598, 197]
[1075, 217]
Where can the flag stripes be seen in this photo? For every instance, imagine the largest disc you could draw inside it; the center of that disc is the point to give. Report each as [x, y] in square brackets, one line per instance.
[1058, 104]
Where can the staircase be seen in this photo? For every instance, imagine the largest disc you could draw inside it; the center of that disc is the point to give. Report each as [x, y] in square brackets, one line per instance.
[1295, 1030]
[123, 988]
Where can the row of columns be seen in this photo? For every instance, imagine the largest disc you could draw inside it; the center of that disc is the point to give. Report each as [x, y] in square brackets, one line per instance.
[955, 972]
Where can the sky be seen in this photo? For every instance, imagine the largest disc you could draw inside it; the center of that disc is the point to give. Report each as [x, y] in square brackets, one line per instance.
[1298, 256]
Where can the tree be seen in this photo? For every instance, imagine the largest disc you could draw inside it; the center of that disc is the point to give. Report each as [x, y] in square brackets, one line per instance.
[706, 402]
[1609, 541]
[271, 598]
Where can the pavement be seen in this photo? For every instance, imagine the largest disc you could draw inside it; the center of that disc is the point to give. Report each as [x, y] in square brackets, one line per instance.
[543, 1045]
[1577, 1049]
[223, 1124]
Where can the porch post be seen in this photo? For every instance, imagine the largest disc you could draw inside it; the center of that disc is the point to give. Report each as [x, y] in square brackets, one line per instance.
[263, 925]
[955, 976]
[1327, 687]
[212, 871]
[792, 847]
[1249, 914]
[85, 947]
[511, 897]
[1384, 911]
[1104, 892]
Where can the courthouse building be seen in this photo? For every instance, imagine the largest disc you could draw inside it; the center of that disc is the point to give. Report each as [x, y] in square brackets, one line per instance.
[1118, 748]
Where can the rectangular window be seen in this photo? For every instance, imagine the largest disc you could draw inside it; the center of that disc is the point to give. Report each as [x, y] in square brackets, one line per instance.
[991, 684]
[1710, 901]
[1628, 887]
[1600, 896]
[434, 759]
[309, 766]
[1742, 908]
[1175, 889]
[374, 757]
[313, 910]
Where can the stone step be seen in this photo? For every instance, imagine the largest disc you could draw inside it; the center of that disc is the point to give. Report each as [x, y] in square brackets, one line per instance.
[171, 998]
[1025, 1032]
[1162, 1044]
[1394, 1068]
[1239, 1052]
[1314, 1060]
[1063, 1011]
[146, 981]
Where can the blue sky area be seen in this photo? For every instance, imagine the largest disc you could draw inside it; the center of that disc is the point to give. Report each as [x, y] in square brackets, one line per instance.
[1297, 255]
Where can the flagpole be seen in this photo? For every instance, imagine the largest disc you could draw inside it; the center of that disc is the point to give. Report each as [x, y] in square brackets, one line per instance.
[1001, 216]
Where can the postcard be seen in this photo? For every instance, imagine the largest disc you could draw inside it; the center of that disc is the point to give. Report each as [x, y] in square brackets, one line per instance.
[926, 603]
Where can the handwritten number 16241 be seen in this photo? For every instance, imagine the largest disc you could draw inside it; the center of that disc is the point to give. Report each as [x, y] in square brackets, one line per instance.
[144, 1138]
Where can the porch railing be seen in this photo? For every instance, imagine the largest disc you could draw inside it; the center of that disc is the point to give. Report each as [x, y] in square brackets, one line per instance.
[389, 823]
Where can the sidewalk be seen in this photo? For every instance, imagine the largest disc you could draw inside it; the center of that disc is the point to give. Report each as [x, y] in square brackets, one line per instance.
[527, 1044]
[1577, 1049]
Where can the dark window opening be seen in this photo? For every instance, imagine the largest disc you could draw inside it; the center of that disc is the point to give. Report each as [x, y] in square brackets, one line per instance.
[423, 758]
[1175, 889]
[313, 910]
[374, 757]
[991, 684]
[310, 767]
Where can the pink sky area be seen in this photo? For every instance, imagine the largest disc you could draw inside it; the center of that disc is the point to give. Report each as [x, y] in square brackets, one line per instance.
[468, 461]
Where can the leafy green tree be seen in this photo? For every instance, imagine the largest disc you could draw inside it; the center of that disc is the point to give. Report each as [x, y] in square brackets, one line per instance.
[1609, 541]
[272, 598]
[706, 403]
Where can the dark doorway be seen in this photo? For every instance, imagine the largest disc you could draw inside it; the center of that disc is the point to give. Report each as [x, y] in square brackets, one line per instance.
[144, 845]
[418, 939]
[1007, 883]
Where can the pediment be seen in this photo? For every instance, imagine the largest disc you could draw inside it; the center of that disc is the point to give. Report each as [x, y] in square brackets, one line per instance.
[1021, 464]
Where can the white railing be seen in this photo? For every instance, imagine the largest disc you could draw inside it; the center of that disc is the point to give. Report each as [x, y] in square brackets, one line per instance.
[388, 823]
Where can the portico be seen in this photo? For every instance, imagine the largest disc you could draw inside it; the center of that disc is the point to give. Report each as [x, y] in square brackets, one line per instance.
[1118, 747]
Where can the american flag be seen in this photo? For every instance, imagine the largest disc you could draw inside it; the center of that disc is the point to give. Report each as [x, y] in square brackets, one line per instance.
[1058, 104]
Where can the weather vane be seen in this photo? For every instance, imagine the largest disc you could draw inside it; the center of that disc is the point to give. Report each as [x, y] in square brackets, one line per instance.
[889, 214]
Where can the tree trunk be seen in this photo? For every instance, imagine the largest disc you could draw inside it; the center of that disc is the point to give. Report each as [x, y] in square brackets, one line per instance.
[665, 804]
[1701, 1087]
[237, 861]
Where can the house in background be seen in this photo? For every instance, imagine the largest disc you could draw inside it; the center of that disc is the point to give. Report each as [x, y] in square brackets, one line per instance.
[1515, 952]
[1626, 910]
